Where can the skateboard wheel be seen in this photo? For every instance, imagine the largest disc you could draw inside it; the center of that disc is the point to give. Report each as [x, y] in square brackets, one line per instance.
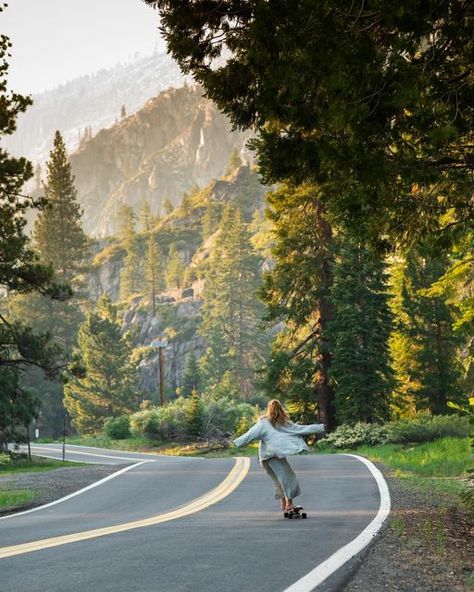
[290, 516]
[285, 514]
[303, 515]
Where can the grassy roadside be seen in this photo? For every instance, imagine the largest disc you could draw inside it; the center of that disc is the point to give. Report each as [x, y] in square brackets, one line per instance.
[440, 465]
[36, 465]
[13, 499]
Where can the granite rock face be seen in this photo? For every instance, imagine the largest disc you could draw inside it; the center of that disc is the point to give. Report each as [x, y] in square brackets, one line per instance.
[177, 140]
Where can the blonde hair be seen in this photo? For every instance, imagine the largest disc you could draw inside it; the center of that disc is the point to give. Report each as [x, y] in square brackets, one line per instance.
[276, 413]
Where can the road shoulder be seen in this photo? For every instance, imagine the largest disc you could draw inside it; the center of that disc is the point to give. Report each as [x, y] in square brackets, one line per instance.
[52, 485]
[427, 544]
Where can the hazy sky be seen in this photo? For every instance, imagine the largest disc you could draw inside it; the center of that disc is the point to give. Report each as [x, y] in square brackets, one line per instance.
[56, 40]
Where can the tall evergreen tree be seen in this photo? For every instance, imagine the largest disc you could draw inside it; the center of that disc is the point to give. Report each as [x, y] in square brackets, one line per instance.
[359, 335]
[194, 417]
[297, 292]
[146, 217]
[60, 242]
[107, 388]
[168, 207]
[432, 370]
[58, 233]
[231, 310]
[234, 162]
[191, 376]
[175, 268]
[20, 273]
[154, 271]
[131, 274]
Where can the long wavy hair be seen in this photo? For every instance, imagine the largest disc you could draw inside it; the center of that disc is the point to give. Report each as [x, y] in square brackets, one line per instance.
[276, 413]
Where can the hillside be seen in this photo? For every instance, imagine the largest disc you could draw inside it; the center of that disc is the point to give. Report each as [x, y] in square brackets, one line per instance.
[177, 140]
[90, 101]
[178, 312]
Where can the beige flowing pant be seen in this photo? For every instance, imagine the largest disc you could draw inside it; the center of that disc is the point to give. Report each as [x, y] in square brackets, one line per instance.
[286, 483]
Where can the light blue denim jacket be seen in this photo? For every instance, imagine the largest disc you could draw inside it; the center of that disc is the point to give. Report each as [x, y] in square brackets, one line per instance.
[280, 441]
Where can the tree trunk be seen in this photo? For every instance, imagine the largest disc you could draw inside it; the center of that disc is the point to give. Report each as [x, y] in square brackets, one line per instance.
[324, 389]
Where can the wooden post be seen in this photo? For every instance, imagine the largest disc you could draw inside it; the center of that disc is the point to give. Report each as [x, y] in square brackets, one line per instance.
[160, 357]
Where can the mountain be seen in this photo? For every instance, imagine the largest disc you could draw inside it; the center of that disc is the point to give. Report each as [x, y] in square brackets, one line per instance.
[94, 101]
[176, 141]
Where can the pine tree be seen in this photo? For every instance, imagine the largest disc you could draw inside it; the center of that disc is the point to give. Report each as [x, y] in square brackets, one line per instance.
[123, 112]
[154, 272]
[146, 217]
[108, 387]
[432, 370]
[234, 162]
[297, 292]
[58, 234]
[232, 312]
[20, 273]
[210, 220]
[185, 205]
[194, 419]
[191, 376]
[359, 335]
[131, 275]
[168, 207]
[175, 268]
[125, 222]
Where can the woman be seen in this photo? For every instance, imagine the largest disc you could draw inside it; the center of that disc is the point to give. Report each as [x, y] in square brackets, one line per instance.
[279, 438]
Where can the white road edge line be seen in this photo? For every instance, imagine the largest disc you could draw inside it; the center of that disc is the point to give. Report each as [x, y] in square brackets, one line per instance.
[78, 492]
[79, 462]
[150, 454]
[128, 458]
[320, 573]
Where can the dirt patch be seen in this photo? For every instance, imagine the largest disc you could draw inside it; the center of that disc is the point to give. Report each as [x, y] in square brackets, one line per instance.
[427, 546]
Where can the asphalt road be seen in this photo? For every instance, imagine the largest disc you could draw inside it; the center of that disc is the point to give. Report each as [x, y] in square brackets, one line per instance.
[238, 543]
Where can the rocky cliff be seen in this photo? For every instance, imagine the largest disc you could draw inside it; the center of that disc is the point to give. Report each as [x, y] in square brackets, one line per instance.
[177, 140]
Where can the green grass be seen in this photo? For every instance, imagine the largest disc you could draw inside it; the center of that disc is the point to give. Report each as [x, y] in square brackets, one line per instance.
[439, 465]
[36, 465]
[15, 498]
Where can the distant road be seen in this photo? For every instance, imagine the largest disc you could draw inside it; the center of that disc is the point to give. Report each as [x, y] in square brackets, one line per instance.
[176, 524]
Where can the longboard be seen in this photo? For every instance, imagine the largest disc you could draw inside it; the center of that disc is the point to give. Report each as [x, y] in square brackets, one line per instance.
[296, 512]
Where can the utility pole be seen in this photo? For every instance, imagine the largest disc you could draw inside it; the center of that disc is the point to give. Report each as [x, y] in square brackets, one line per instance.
[160, 364]
[64, 437]
[160, 345]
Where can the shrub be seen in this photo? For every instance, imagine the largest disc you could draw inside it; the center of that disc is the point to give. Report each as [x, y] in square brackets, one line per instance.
[217, 417]
[360, 434]
[5, 459]
[426, 428]
[117, 428]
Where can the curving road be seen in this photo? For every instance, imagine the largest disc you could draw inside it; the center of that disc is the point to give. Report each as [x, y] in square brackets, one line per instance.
[175, 524]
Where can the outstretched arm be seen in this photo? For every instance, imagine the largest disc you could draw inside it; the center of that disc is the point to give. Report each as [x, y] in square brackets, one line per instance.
[306, 430]
[255, 433]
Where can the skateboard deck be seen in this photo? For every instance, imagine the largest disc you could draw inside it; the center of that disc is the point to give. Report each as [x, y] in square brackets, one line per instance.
[296, 512]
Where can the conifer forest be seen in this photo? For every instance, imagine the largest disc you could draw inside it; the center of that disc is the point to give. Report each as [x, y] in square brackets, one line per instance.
[299, 227]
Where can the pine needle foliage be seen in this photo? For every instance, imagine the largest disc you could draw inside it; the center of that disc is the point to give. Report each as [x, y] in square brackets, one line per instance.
[108, 387]
[58, 234]
[359, 335]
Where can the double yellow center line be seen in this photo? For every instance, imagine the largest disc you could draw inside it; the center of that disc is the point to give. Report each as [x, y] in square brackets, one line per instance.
[231, 482]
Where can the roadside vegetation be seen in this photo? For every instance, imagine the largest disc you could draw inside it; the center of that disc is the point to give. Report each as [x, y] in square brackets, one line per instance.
[20, 463]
